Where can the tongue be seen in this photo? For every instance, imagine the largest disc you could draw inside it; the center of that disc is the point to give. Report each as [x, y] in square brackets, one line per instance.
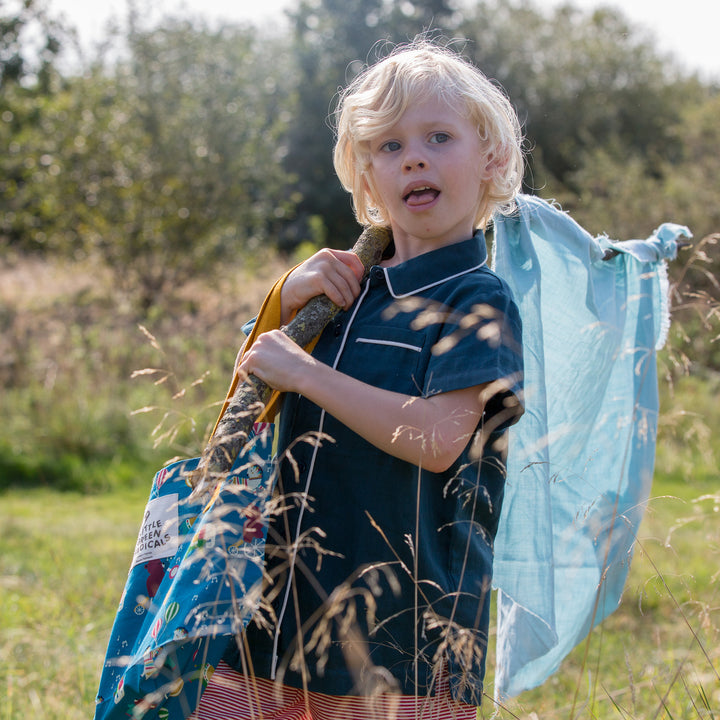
[421, 197]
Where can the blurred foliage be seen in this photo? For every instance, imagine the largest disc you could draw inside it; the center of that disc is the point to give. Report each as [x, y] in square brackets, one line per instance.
[580, 81]
[185, 145]
[30, 41]
[163, 165]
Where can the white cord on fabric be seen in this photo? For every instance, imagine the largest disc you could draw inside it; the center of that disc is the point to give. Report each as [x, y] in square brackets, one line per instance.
[311, 468]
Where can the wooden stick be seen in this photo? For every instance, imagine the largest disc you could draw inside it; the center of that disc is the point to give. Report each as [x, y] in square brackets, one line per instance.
[252, 395]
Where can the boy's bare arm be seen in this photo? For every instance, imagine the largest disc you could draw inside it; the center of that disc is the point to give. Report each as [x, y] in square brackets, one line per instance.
[426, 431]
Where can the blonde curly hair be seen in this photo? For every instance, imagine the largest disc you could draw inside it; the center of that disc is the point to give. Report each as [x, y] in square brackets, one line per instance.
[379, 95]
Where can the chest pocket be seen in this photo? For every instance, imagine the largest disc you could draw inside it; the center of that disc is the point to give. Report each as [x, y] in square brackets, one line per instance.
[387, 357]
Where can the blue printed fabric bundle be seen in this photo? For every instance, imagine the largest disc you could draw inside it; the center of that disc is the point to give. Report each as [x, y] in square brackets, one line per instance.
[194, 582]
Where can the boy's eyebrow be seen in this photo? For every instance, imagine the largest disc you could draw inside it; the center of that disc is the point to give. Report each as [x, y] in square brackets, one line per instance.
[426, 125]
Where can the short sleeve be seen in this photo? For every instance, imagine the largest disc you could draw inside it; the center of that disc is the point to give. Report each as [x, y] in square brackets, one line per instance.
[481, 342]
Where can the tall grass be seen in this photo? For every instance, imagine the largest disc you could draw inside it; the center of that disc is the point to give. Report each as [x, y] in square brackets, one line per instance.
[83, 420]
[71, 346]
[64, 557]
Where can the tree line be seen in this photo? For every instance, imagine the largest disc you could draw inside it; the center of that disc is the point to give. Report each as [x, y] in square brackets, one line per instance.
[180, 144]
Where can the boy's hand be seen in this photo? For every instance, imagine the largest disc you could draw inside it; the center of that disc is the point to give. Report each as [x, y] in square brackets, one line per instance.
[277, 361]
[335, 273]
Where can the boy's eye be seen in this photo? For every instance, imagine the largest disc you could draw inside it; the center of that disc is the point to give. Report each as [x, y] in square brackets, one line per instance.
[439, 137]
[390, 146]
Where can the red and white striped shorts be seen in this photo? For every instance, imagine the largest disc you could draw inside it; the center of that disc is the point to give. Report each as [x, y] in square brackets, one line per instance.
[231, 695]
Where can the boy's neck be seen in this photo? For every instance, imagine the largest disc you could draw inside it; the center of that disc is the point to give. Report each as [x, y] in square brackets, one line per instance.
[406, 248]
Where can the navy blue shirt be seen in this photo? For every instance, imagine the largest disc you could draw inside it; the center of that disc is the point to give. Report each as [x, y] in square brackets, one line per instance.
[405, 552]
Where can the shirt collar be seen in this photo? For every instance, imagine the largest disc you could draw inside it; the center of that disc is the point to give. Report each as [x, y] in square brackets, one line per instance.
[436, 267]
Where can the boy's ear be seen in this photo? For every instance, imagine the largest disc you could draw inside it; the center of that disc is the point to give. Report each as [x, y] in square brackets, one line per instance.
[494, 163]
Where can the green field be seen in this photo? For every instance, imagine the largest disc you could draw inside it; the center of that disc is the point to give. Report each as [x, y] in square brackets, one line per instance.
[64, 557]
[76, 464]
[153, 188]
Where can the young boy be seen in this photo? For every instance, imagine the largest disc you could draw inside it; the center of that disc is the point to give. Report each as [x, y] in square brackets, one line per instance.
[392, 432]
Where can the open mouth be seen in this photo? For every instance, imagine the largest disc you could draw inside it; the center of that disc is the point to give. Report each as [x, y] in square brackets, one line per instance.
[421, 196]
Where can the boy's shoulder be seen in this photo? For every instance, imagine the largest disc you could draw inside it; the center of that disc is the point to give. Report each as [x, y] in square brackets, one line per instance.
[480, 277]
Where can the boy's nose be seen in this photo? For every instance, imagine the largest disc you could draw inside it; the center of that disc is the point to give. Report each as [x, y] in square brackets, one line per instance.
[414, 157]
[413, 164]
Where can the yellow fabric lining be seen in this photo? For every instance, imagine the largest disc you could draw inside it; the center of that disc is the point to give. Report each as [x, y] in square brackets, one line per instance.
[269, 318]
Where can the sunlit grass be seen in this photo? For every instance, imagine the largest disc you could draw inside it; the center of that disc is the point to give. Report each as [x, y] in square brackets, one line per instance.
[64, 558]
[63, 562]
[658, 655]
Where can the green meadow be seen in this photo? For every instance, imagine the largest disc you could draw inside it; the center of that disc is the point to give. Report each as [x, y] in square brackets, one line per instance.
[94, 414]
[153, 187]
[64, 558]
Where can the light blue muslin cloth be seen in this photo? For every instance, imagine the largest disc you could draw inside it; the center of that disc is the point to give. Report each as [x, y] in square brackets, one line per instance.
[581, 458]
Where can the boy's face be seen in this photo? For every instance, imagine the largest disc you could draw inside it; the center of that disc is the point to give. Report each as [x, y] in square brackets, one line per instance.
[427, 172]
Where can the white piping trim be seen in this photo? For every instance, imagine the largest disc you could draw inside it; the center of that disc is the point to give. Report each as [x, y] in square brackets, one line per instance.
[321, 424]
[392, 343]
[399, 296]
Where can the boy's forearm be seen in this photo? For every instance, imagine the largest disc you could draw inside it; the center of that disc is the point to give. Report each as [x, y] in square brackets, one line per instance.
[427, 431]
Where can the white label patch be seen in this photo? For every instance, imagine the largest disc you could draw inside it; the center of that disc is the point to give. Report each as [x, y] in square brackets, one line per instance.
[158, 536]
